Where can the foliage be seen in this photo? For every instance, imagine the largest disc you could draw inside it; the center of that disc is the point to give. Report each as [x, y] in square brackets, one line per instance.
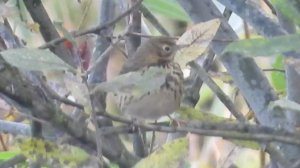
[52, 153]
[278, 78]
[169, 8]
[168, 156]
[35, 60]
[265, 47]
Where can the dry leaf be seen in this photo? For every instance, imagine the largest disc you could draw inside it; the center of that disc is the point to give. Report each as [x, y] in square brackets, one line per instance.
[196, 40]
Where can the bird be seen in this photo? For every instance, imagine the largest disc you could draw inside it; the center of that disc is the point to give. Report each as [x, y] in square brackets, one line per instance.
[153, 52]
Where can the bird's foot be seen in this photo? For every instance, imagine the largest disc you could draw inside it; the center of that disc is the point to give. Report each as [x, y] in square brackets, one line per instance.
[174, 122]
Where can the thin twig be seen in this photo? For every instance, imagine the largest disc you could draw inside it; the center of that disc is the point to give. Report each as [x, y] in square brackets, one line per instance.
[104, 55]
[227, 13]
[152, 19]
[98, 135]
[228, 157]
[274, 70]
[273, 10]
[64, 100]
[218, 91]
[152, 140]
[94, 29]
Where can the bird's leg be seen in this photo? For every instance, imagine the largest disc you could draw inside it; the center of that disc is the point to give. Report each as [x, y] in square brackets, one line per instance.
[138, 140]
[177, 123]
[153, 139]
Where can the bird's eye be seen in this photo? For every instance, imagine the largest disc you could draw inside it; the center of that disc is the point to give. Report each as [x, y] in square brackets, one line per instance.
[166, 48]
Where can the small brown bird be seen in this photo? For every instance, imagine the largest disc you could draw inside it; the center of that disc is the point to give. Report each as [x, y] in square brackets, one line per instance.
[155, 52]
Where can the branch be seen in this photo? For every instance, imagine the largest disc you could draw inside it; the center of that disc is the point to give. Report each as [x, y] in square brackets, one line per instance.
[218, 91]
[98, 75]
[28, 94]
[15, 128]
[133, 25]
[47, 29]
[220, 129]
[259, 20]
[238, 65]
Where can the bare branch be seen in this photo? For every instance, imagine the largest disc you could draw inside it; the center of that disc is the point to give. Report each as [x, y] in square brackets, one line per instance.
[221, 129]
[15, 128]
[218, 91]
[48, 31]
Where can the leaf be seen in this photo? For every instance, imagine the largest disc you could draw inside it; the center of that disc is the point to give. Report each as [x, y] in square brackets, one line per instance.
[186, 113]
[278, 78]
[4, 155]
[168, 156]
[196, 41]
[135, 83]
[34, 59]
[265, 47]
[169, 8]
[287, 9]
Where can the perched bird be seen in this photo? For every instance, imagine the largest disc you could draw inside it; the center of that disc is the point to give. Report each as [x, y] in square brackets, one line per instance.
[154, 52]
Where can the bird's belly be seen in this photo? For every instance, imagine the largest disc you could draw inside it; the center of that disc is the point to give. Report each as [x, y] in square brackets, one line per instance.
[153, 106]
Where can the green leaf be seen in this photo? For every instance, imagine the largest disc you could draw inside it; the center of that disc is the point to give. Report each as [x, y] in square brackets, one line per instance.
[34, 59]
[4, 155]
[168, 156]
[265, 47]
[169, 8]
[278, 78]
[287, 9]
